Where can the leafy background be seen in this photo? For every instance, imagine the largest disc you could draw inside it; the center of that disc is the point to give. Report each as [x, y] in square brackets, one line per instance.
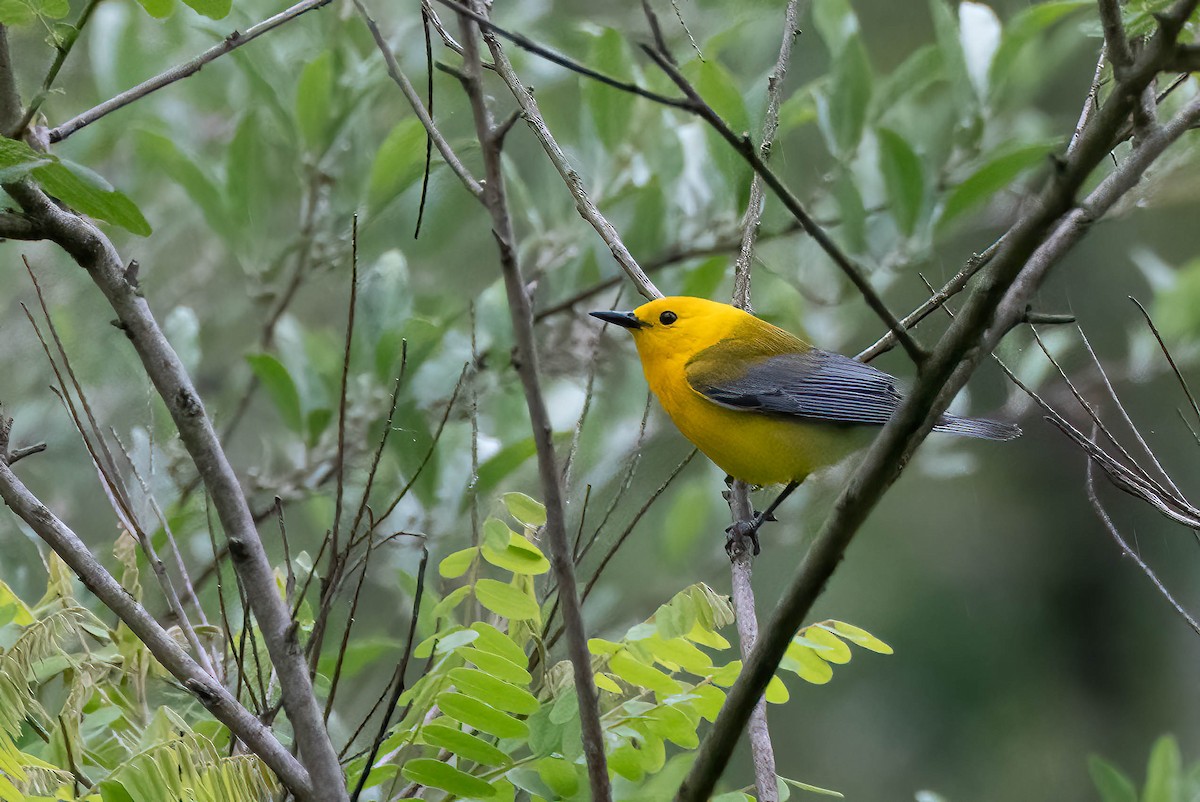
[1023, 641]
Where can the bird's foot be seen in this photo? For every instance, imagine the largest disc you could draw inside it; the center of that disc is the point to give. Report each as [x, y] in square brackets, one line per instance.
[740, 531]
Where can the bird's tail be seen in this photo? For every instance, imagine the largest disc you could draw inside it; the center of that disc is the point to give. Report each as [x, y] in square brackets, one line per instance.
[977, 427]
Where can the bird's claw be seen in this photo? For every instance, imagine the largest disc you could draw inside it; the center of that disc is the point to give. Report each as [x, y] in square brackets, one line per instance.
[738, 533]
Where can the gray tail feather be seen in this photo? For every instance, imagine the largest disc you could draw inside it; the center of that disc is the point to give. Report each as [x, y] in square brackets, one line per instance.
[978, 427]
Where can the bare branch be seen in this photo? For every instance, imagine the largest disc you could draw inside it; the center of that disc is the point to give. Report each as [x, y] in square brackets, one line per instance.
[210, 693]
[1115, 533]
[1116, 41]
[741, 511]
[62, 48]
[1032, 247]
[410, 94]
[398, 680]
[742, 145]
[520, 310]
[587, 209]
[230, 43]
[93, 251]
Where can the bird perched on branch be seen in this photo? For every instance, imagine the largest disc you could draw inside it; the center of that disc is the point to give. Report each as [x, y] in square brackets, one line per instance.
[764, 405]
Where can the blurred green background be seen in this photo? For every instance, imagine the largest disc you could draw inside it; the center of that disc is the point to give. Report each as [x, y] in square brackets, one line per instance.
[1024, 641]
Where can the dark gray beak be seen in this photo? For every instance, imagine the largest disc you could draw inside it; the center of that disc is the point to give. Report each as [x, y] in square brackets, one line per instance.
[623, 319]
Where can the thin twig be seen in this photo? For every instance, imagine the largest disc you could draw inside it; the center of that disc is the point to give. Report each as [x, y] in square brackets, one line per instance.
[742, 145]
[1115, 533]
[62, 49]
[1052, 224]
[398, 685]
[741, 564]
[583, 204]
[410, 94]
[230, 43]
[210, 693]
[520, 311]
[1167, 353]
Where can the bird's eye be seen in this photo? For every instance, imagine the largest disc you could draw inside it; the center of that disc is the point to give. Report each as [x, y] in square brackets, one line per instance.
[667, 318]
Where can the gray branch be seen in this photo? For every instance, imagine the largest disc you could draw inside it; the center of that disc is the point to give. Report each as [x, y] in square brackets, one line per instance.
[1035, 244]
[230, 43]
[587, 209]
[520, 310]
[93, 251]
[210, 693]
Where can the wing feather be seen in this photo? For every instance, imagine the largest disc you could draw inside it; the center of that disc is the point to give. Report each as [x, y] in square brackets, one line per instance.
[814, 384]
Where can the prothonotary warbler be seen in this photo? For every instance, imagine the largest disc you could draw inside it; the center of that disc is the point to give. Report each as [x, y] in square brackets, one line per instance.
[764, 405]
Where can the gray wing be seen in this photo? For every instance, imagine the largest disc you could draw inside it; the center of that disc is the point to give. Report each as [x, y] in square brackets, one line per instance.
[817, 384]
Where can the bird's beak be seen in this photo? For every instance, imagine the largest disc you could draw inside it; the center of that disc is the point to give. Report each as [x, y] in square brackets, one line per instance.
[626, 320]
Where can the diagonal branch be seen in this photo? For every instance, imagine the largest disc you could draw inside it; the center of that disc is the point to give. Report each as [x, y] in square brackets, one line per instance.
[1032, 247]
[230, 43]
[208, 691]
[93, 251]
[520, 310]
[587, 209]
[741, 564]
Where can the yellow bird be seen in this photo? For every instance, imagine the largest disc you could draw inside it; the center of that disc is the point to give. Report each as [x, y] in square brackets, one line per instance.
[764, 405]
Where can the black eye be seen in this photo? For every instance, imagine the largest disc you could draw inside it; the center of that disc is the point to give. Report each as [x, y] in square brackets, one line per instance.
[667, 318]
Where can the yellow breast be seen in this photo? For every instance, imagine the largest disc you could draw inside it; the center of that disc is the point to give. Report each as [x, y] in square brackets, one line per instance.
[757, 448]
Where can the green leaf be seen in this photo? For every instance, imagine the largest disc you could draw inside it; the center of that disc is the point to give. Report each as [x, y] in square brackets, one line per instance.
[165, 155]
[88, 193]
[528, 511]
[835, 22]
[681, 653]
[904, 178]
[159, 9]
[399, 162]
[1110, 782]
[989, 178]
[1022, 29]
[854, 213]
[480, 715]
[915, 74]
[610, 109]
[500, 465]
[463, 744]
[279, 385]
[708, 701]
[835, 650]
[628, 668]
[720, 90]
[22, 12]
[316, 423]
[815, 789]
[671, 723]
[451, 602]
[213, 9]
[1164, 771]
[507, 600]
[946, 31]
[314, 99]
[559, 775]
[849, 95]
[518, 556]
[496, 642]
[605, 683]
[18, 159]
[859, 636]
[496, 665]
[496, 692]
[777, 692]
[457, 563]
[436, 774]
[247, 179]
[805, 663]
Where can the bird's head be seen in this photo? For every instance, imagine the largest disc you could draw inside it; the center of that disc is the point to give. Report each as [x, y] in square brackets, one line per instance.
[676, 327]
